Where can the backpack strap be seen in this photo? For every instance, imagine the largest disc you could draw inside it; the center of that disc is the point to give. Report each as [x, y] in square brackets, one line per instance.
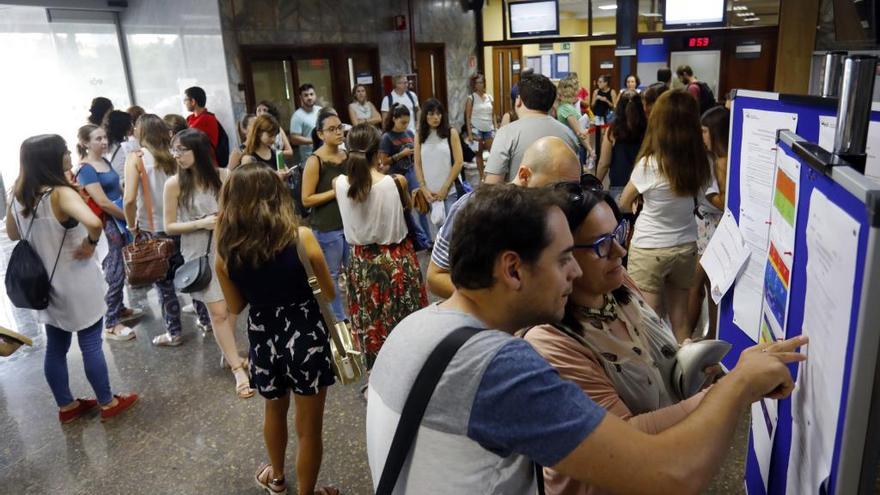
[416, 404]
[412, 99]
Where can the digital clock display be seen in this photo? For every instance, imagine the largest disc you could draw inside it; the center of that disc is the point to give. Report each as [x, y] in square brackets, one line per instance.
[698, 42]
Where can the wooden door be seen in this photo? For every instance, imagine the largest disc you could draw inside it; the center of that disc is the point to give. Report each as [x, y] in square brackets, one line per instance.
[748, 69]
[603, 61]
[506, 66]
[431, 72]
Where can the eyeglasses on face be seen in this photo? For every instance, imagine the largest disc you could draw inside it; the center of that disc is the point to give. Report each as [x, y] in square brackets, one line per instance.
[179, 151]
[602, 245]
[334, 128]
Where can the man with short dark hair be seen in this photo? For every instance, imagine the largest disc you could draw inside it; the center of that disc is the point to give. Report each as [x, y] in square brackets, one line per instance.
[536, 96]
[195, 100]
[499, 407]
[698, 89]
[547, 160]
[664, 75]
[303, 122]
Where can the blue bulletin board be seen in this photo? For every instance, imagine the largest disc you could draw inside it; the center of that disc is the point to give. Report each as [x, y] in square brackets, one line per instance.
[850, 191]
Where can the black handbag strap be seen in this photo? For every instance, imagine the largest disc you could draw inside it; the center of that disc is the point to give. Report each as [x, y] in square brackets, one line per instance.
[416, 404]
[210, 238]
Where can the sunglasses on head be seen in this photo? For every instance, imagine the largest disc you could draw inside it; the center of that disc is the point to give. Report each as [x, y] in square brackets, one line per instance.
[575, 190]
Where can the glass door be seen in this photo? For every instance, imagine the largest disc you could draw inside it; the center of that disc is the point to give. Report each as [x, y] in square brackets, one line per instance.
[272, 81]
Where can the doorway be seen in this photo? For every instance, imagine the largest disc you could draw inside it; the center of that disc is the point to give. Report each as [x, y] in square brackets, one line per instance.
[431, 72]
[506, 67]
[705, 64]
[603, 61]
[275, 73]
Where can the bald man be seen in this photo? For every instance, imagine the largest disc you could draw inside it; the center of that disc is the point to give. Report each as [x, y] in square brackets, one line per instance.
[546, 161]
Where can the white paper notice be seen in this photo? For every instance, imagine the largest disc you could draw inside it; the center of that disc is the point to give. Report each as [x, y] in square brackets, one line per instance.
[827, 128]
[725, 256]
[757, 168]
[832, 245]
[764, 418]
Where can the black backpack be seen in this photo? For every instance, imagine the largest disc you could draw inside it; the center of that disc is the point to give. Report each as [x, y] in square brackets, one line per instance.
[222, 150]
[707, 97]
[27, 283]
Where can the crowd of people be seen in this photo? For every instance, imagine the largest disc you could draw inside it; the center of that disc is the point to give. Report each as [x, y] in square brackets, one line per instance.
[568, 288]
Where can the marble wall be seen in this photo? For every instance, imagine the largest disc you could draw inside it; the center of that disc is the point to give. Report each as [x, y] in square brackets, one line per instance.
[314, 22]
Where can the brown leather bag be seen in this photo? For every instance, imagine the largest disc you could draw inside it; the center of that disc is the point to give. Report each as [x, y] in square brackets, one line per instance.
[147, 259]
[420, 202]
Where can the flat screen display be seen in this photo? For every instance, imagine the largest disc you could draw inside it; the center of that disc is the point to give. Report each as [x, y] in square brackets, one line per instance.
[531, 18]
[688, 13]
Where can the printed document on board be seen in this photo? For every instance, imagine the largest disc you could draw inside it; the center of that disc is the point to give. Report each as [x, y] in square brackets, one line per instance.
[725, 256]
[832, 238]
[757, 169]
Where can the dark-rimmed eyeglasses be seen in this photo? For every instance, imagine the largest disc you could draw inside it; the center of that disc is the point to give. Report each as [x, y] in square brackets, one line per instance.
[602, 245]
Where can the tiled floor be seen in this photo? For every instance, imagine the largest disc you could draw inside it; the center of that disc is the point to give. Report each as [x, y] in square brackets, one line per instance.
[189, 434]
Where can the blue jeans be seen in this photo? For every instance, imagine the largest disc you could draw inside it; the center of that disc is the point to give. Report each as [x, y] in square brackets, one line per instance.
[55, 363]
[336, 254]
[422, 224]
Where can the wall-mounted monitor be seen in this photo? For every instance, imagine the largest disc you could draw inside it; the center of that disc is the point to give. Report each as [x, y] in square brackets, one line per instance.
[533, 18]
[691, 13]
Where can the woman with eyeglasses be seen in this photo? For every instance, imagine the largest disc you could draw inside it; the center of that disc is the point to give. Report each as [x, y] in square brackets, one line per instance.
[610, 342]
[671, 172]
[151, 166]
[325, 164]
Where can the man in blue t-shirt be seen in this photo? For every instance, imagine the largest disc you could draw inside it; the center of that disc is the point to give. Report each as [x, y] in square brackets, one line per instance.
[499, 407]
[303, 122]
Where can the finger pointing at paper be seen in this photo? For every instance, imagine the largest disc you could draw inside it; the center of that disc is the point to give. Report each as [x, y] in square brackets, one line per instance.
[762, 368]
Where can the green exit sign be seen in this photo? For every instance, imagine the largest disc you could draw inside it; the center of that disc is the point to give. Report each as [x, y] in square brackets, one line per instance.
[566, 46]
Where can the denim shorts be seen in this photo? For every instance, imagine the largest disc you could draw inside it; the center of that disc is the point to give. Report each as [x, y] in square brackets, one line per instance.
[483, 135]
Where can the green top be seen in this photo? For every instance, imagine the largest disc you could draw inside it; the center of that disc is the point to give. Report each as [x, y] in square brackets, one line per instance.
[326, 217]
[566, 110]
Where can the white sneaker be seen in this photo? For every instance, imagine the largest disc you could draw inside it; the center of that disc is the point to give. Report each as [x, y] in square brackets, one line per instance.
[189, 308]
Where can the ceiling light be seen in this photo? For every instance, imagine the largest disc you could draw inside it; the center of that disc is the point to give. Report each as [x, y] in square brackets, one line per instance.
[744, 14]
[612, 6]
[740, 7]
[652, 14]
[752, 19]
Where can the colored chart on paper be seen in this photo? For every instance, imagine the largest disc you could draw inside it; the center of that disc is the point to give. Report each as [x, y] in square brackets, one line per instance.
[785, 197]
[776, 286]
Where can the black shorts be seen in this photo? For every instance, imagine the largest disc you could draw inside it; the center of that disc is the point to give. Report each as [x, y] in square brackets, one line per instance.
[289, 350]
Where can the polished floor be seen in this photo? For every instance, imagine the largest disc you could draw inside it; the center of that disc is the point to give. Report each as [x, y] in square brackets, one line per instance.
[189, 434]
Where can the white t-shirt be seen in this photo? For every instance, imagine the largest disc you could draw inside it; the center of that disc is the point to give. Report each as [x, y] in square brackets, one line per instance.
[408, 99]
[481, 112]
[711, 188]
[512, 141]
[667, 220]
[436, 160]
[377, 220]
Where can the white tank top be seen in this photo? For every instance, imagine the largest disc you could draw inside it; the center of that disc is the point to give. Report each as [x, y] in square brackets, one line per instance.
[76, 299]
[481, 113]
[377, 220]
[156, 179]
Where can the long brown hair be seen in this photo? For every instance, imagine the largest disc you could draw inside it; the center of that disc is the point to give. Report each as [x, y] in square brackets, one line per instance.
[363, 146]
[155, 135]
[41, 162]
[262, 123]
[257, 218]
[675, 140]
[717, 120]
[203, 174]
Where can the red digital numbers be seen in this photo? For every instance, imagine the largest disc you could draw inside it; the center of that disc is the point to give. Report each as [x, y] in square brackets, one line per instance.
[698, 42]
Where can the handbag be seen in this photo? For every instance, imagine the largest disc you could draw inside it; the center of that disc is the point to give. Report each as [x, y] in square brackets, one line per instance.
[410, 223]
[87, 198]
[348, 365]
[420, 201]
[195, 275]
[146, 259]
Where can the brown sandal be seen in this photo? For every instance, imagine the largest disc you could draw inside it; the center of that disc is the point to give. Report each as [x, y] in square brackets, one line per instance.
[327, 490]
[266, 482]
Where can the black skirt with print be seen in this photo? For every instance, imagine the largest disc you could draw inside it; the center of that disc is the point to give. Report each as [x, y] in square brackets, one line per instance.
[289, 350]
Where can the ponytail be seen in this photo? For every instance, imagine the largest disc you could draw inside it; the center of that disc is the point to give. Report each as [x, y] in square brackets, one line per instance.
[84, 134]
[396, 111]
[363, 149]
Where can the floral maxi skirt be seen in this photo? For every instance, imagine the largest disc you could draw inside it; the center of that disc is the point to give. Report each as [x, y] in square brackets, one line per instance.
[384, 286]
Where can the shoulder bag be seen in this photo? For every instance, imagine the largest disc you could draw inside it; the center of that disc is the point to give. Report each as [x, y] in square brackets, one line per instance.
[405, 201]
[348, 365]
[147, 259]
[195, 275]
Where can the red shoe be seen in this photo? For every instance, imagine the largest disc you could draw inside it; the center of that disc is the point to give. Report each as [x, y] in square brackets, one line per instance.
[123, 403]
[84, 406]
